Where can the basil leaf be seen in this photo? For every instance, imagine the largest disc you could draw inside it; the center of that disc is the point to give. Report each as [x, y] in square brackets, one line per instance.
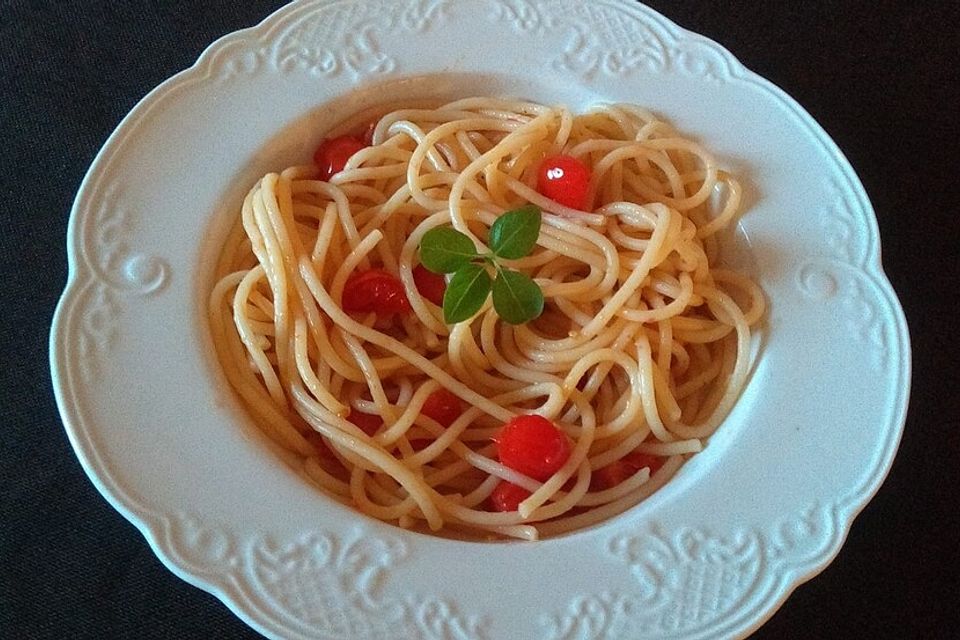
[466, 293]
[514, 234]
[516, 297]
[444, 250]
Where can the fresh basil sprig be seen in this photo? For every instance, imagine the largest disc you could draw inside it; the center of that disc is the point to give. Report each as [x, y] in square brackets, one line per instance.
[516, 297]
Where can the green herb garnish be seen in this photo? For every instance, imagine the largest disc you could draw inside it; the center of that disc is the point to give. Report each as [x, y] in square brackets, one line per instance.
[444, 250]
[466, 292]
[516, 297]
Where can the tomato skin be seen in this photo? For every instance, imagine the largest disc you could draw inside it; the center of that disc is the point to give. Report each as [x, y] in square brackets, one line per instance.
[639, 460]
[533, 446]
[443, 406]
[431, 285]
[332, 154]
[368, 422]
[374, 290]
[610, 475]
[624, 468]
[507, 496]
[564, 179]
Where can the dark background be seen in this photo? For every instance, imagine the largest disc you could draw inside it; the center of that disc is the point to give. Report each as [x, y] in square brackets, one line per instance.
[881, 77]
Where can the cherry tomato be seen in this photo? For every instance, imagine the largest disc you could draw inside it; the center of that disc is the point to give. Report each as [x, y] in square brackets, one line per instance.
[369, 423]
[431, 285]
[618, 471]
[532, 445]
[332, 154]
[443, 406]
[565, 180]
[639, 460]
[611, 475]
[507, 496]
[374, 290]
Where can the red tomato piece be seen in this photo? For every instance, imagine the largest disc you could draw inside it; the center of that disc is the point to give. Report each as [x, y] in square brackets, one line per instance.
[565, 180]
[611, 475]
[419, 444]
[369, 423]
[532, 445]
[507, 496]
[639, 460]
[618, 471]
[332, 154]
[374, 290]
[431, 285]
[443, 406]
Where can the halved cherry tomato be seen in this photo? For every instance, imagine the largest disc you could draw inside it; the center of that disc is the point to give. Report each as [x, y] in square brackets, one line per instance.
[431, 285]
[507, 496]
[332, 154]
[443, 406]
[532, 445]
[565, 180]
[374, 290]
[369, 423]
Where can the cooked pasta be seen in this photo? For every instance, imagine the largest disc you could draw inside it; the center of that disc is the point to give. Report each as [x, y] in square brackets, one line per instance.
[641, 350]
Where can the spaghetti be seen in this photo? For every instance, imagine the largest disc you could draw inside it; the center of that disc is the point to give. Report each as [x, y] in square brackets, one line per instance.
[641, 350]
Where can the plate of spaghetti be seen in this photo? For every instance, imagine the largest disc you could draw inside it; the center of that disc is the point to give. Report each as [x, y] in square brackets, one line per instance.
[408, 321]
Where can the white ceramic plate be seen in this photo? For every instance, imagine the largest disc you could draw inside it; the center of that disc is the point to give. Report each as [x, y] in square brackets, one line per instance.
[763, 508]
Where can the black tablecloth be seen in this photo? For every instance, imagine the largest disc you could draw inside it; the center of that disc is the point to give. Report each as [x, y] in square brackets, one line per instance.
[879, 76]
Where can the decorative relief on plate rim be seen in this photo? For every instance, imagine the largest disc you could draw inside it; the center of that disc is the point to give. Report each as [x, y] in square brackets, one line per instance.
[840, 276]
[108, 251]
[690, 581]
[326, 585]
[320, 584]
[345, 40]
[619, 43]
[117, 271]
